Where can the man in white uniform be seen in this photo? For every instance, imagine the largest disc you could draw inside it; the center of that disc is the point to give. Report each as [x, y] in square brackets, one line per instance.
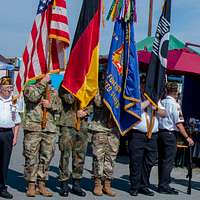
[9, 129]
[167, 140]
[142, 150]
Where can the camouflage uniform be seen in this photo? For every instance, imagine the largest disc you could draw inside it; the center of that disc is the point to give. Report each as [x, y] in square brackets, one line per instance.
[70, 139]
[105, 141]
[39, 144]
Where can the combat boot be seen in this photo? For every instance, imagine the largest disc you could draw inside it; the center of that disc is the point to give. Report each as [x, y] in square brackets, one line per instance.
[76, 188]
[31, 190]
[107, 188]
[43, 190]
[97, 187]
[64, 189]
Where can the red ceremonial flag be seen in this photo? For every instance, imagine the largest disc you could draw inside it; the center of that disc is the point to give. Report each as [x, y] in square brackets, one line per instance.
[50, 22]
[81, 75]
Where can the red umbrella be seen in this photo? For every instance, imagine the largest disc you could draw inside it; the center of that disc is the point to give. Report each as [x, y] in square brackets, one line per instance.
[179, 60]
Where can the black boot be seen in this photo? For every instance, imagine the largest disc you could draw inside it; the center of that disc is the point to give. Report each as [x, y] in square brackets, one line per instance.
[5, 194]
[76, 188]
[64, 189]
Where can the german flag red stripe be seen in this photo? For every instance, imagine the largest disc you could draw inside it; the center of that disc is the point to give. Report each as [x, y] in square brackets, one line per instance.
[81, 75]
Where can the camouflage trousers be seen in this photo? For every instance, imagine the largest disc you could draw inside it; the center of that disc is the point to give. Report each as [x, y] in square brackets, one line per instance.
[105, 147]
[72, 142]
[38, 151]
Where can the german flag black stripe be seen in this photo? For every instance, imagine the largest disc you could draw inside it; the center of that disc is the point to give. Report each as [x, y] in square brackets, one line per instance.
[88, 11]
[81, 75]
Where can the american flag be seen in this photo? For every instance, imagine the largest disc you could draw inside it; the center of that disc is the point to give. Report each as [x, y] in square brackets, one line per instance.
[51, 22]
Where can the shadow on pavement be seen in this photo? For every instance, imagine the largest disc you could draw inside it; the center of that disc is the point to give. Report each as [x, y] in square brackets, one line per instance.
[87, 183]
[16, 180]
[125, 177]
[54, 184]
[54, 169]
[184, 182]
[121, 184]
[123, 159]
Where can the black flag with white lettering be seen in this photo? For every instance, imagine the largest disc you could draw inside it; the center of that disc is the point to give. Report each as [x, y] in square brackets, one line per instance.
[156, 75]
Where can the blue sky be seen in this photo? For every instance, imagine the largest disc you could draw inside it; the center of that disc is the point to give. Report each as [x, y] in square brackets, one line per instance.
[16, 19]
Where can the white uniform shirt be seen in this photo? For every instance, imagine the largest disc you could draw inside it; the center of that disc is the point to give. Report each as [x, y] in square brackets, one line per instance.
[142, 126]
[8, 114]
[174, 114]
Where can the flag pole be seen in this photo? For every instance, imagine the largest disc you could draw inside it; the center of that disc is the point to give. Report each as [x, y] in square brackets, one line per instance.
[150, 125]
[44, 117]
[44, 113]
[150, 17]
[78, 119]
[152, 118]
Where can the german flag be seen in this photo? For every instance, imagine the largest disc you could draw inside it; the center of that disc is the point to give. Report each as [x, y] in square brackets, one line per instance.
[81, 75]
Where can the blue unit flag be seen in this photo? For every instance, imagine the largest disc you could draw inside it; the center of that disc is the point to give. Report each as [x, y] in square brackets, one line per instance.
[122, 86]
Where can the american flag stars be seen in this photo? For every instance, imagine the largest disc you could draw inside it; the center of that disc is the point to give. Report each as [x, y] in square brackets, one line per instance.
[43, 5]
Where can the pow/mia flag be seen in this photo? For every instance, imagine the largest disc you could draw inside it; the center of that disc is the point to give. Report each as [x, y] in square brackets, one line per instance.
[155, 82]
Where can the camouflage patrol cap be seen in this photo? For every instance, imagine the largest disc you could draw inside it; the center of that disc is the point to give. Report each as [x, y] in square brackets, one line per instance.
[172, 86]
[5, 80]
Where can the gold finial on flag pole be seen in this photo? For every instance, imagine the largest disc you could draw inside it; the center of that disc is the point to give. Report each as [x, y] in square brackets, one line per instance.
[54, 3]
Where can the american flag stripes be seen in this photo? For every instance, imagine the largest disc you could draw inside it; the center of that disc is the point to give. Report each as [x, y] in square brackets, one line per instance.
[51, 22]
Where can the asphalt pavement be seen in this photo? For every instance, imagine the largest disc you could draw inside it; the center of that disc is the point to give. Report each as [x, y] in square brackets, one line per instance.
[17, 184]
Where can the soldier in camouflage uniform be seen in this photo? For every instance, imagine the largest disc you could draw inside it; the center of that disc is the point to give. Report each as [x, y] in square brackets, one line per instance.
[105, 144]
[39, 143]
[72, 141]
